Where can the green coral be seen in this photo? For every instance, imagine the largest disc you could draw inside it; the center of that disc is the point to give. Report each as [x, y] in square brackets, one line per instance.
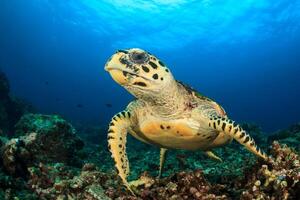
[44, 124]
[46, 139]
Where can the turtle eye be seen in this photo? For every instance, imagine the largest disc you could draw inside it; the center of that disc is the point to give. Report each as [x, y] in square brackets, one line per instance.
[139, 57]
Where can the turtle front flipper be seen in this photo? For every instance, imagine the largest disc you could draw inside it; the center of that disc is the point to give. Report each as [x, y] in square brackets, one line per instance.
[117, 135]
[235, 131]
[162, 158]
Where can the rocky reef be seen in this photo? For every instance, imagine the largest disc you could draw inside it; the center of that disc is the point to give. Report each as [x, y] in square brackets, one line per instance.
[277, 179]
[45, 139]
[48, 160]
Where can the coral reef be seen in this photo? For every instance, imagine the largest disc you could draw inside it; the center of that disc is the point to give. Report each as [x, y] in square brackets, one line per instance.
[182, 185]
[57, 181]
[61, 182]
[14, 188]
[45, 139]
[279, 179]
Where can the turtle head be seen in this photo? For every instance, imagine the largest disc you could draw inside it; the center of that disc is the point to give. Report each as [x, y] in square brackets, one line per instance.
[139, 72]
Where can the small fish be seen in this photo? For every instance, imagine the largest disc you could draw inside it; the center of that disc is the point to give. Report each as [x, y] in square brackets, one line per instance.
[108, 105]
[46, 83]
[79, 105]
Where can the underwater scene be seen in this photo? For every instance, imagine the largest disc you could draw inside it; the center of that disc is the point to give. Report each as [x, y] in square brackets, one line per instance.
[149, 100]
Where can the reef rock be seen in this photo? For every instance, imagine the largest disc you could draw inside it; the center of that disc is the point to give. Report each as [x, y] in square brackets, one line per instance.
[45, 139]
[180, 186]
[16, 157]
[279, 179]
[14, 188]
[60, 182]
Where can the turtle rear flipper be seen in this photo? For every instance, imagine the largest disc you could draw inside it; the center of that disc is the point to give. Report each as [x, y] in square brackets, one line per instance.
[235, 131]
[162, 158]
[213, 156]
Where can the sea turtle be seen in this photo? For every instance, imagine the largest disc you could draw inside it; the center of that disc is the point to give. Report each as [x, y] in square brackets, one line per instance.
[166, 113]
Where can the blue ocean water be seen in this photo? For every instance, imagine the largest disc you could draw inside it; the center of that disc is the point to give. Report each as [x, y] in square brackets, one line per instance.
[243, 54]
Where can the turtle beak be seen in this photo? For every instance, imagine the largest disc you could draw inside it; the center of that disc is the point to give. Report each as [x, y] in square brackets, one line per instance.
[114, 61]
[108, 67]
[115, 69]
[118, 76]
